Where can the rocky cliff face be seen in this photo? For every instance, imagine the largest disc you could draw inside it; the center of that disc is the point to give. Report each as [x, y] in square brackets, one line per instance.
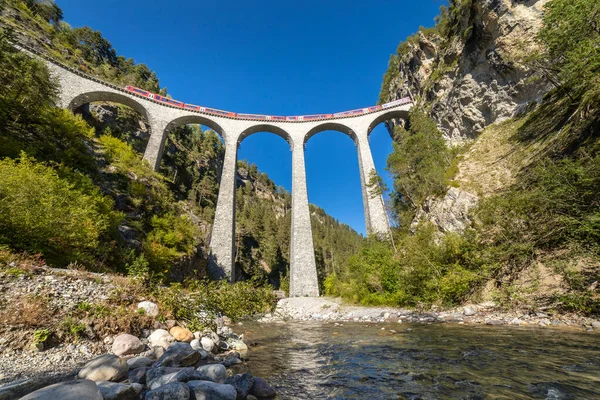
[450, 213]
[476, 75]
[469, 72]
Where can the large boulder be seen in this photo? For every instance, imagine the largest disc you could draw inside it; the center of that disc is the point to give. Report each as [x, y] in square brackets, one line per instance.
[160, 338]
[160, 377]
[72, 390]
[181, 334]
[262, 389]
[179, 354]
[125, 344]
[137, 375]
[216, 372]
[119, 391]
[242, 384]
[139, 362]
[150, 308]
[205, 390]
[105, 368]
[170, 391]
[16, 389]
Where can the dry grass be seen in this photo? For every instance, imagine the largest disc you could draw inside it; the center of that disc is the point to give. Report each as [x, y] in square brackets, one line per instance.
[26, 310]
[493, 161]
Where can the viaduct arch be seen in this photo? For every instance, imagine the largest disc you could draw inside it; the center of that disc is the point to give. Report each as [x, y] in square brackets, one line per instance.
[77, 89]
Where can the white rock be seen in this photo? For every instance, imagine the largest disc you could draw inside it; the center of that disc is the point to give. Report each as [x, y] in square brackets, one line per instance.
[470, 310]
[109, 339]
[160, 338]
[105, 368]
[150, 308]
[207, 344]
[196, 345]
[237, 345]
[125, 344]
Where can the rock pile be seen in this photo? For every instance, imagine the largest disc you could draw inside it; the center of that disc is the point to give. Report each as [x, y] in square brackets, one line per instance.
[168, 365]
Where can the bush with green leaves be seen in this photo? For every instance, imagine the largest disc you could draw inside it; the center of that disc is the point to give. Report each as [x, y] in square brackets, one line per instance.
[44, 213]
[170, 238]
[199, 302]
[429, 269]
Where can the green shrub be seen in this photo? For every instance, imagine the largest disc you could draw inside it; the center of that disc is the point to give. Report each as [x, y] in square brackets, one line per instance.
[199, 302]
[172, 237]
[72, 328]
[42, 213]
[429, 269]
[41, 335]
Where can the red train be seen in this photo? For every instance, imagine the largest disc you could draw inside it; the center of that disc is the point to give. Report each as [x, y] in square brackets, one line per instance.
[179, 104]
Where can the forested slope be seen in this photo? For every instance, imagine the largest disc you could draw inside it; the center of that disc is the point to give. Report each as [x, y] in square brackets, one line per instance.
[497, 171]
[74, 188]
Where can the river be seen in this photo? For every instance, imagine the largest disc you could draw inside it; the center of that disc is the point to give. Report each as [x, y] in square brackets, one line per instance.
[421, 361]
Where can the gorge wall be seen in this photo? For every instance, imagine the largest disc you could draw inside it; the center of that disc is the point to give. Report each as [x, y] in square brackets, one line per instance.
[471, 70]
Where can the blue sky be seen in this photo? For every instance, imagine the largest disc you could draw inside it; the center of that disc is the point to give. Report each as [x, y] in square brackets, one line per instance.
[272, 57]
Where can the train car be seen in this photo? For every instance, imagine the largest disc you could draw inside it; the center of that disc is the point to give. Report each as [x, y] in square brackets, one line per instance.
[253, 116]
[315, 117]
[139, 92]
[292, 118]
[219, 112]
[166, 100]
[349, 113]
[374, 108]
[276, 118]
[398, 102]
[192, 107]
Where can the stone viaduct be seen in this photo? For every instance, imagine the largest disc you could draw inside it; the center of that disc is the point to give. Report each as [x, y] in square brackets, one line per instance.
[77, 89]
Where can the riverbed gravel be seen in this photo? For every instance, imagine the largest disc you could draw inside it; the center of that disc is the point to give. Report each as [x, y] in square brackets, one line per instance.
[331, 309]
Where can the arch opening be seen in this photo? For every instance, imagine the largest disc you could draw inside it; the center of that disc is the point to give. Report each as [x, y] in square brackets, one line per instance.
[112, 97]
[381, 140]
[192, 162]
[263, 206]
[330, 126]
[335, 193]
[387, 116]
[265, 128]
[196, 119]
[117, 120]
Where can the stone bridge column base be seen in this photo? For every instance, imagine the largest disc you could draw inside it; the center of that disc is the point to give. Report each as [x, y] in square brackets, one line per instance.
[222, 247]
[303, 268]
[375, 213]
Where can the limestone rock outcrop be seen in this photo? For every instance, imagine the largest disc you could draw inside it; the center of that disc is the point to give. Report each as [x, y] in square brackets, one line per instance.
[479, 75]
[449, 213]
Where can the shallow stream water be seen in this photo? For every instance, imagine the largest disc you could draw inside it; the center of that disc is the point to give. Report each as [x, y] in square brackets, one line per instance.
[420, 361]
